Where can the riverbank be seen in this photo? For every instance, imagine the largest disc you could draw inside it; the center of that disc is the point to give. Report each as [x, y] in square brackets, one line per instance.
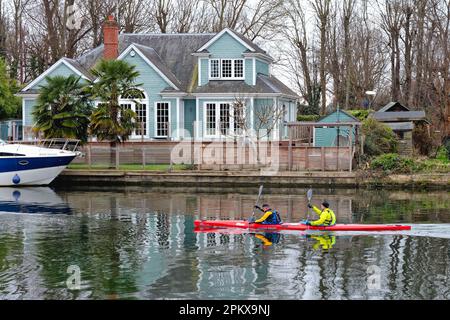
[359, 179]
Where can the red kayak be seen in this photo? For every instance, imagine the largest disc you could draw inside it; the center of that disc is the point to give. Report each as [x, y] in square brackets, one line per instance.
[297, 226]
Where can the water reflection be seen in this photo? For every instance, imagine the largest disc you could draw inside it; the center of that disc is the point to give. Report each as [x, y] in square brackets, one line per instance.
[32, 200]
[138, 243]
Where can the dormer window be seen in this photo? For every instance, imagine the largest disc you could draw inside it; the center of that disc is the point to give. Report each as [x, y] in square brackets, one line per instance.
[226, 69]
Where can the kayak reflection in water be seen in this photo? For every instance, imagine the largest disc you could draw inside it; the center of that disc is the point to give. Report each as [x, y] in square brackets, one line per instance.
[324, 241]
[268, 239]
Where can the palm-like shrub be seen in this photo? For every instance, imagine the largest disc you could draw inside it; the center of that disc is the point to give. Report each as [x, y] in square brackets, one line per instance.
[63, 108]
[111, 121]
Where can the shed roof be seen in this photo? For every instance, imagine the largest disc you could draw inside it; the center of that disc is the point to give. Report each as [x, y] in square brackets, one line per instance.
[391, 105]
[331, 117]
[400, 116]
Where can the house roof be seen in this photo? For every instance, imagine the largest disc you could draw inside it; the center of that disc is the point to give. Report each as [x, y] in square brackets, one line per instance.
[391, 105]
[79, 67]
[400, 116]
[154, 58]
[172, 55]
[264, 84]
[171, 52]
[252, 47]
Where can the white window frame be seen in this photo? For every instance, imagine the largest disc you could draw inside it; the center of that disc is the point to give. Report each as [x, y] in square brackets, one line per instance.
[210, 69]
[133, 103]
[156, 118]
[233, 71]
[218, 131]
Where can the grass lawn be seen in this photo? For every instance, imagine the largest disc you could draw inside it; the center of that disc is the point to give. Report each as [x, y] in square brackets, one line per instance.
[130, 167]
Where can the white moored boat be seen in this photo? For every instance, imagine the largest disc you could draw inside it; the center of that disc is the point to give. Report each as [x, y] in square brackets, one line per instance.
[22, 164]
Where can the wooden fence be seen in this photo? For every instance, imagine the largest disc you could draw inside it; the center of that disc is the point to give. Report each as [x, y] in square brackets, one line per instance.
[282, 156]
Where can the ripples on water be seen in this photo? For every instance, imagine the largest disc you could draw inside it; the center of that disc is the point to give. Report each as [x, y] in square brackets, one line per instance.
[142, 245]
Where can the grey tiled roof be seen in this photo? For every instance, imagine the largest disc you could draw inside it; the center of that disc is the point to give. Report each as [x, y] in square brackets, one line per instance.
[174, 51]
[172, 55]
[153, 56]
[77, 65]
[400, 116]
[264, 84]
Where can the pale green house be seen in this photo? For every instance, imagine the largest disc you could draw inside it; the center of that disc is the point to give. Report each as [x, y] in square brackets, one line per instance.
[190, 84]
[329, 136]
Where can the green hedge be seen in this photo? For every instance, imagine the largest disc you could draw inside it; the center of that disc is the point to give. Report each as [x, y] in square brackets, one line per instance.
[394, 163]
[308, 117]
[361, 115]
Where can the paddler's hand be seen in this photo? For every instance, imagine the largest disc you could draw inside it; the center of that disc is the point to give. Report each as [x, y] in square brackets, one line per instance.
[309, 205]
[257, 207]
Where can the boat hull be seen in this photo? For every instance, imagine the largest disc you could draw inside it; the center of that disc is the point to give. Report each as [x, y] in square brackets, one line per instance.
[297, 226]
[34, 171]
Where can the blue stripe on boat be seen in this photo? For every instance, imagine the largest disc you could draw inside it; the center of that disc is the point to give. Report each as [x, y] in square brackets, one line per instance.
[25, 163]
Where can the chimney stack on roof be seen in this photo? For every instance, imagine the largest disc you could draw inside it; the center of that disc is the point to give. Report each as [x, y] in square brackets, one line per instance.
[111, 39]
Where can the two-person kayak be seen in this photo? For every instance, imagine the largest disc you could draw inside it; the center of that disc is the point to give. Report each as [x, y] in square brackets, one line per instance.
[240, 224]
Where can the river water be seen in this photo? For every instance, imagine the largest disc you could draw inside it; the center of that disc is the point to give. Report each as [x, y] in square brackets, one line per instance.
[140, 243]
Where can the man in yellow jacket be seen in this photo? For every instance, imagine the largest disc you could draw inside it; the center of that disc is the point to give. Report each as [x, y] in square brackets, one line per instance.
[327, 218]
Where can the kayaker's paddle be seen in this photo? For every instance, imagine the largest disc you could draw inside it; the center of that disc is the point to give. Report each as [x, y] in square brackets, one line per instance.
[257, 200]
[309, 195]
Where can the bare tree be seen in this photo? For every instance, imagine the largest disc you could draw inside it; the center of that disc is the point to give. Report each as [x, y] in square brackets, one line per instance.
[322, 12]
[300, 58]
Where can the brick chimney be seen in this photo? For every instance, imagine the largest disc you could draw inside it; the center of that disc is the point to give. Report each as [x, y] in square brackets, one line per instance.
[111, 39]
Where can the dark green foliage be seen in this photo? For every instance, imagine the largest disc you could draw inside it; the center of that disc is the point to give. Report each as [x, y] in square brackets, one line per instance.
[443, 154]
[111, 121]
[379, 138]
[393, 163]
[10, 105]
[63, 108]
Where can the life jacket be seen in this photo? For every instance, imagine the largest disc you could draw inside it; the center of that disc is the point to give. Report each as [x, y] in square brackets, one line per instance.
[274, 218]
[331, 218]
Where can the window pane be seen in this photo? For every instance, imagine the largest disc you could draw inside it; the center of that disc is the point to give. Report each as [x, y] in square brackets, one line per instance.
[227, 69]
[210, 119]
[215, 69]
[133, 94]
[162, 119]
[224, 118]
[238, 68]
[141, 113]
[238, 113]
